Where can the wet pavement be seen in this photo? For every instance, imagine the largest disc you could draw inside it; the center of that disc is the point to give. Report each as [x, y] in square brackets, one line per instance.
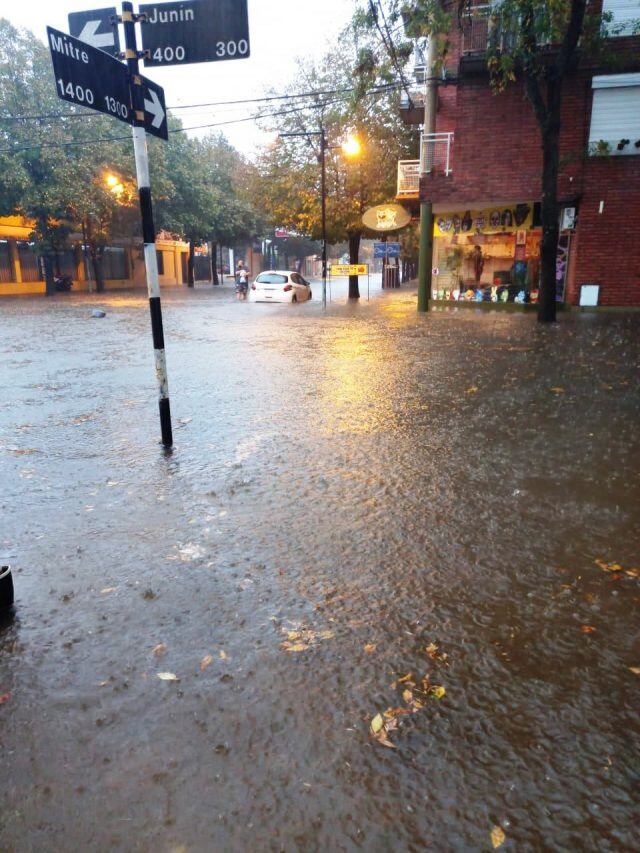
[353, 498]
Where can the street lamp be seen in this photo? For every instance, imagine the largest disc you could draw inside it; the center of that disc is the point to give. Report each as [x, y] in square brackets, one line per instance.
[350, 147]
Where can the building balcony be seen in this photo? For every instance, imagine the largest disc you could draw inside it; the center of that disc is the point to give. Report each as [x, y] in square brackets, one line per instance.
[435, 158]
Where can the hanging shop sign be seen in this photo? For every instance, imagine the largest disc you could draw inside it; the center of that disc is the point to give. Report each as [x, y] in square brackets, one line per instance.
[349, 269]
[386, 217]
[492, 220]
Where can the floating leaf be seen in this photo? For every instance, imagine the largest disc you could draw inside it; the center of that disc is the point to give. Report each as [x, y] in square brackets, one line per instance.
[407, 695]
[108, 589]
[167, 676]
[5, 698]
[223, 654]
[432, 650]
[377, 723]
[206, 661]
[473, 389]
[159, 650]
[497, 837]
[558, 390]
[370, 647]
[587, 629]
[438, 691]
[405, 678]
[635, 670]
[295, 647]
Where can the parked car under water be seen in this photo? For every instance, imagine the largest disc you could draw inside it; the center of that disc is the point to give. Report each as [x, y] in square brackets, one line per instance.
[280, 286]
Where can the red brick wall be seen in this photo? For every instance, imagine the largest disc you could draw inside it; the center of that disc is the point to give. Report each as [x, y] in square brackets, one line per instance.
[496, 149]
[497, 157]
[608, 249]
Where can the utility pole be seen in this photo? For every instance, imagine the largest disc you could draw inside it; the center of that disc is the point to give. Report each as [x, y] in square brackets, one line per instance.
[148, 228]
[323, 167]
[427, 145]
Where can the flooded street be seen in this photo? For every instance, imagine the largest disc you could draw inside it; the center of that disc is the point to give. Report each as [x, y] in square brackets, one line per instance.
[355, 500]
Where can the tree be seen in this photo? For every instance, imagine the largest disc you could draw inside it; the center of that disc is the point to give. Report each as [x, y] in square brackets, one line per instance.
[538, 43]
[46, 168]
[288, 174]
[201, 201]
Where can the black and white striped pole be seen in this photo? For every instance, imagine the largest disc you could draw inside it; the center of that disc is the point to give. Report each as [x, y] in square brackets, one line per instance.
[148, 229]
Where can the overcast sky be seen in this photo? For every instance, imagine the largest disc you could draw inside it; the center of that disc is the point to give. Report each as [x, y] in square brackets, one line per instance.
[280, 31]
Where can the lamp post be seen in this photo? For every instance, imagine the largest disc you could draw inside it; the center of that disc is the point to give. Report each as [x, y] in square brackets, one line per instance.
[351, 148]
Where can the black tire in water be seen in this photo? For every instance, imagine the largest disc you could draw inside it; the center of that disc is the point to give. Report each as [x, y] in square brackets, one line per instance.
[6, 587]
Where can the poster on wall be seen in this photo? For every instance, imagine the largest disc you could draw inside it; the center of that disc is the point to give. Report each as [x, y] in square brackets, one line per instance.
[562, 265]
[492, 220]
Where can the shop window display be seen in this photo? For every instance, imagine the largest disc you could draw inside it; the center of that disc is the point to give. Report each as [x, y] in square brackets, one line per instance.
[487, 255]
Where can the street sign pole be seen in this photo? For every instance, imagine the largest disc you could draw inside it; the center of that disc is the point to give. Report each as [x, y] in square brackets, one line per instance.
[148, 228]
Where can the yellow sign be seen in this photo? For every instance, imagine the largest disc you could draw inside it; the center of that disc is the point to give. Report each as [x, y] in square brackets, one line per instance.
[349, 269]
[492, 220]
[386, 217]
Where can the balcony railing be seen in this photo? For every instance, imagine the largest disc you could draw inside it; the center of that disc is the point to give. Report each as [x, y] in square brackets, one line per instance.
[408, 178]
[436, 151]
[483, 29]
[436, 154]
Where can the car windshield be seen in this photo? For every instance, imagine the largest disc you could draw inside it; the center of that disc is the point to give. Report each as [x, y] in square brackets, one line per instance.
[271, 278]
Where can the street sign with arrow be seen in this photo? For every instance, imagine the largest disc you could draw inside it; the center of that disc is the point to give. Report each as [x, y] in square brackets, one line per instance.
[98, 28]
[196, 31]
[89, 77]
[155, 111]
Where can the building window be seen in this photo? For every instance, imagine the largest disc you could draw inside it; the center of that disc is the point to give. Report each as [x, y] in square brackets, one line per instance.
[160, 257]
[624, 17]
[615, 116]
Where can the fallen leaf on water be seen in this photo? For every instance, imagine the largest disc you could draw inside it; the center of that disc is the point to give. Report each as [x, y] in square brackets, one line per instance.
[635, 670]
[432, 650]
[438, 691]
[295, 647]
[556, 390]
[108, 589]
[223, 654]
[404, 678]
[497, 837]
[5, 698]
[472, 389]
[587, 629]
[370, 647]
[167, 676]
[159, 650]
[205, 662]
[407, 695]
[633, 573]
[377, 723]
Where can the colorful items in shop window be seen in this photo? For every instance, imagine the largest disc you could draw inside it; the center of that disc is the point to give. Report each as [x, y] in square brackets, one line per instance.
[492, 221]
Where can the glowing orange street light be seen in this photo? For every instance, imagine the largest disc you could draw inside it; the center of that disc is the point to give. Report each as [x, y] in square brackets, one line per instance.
[351, 146]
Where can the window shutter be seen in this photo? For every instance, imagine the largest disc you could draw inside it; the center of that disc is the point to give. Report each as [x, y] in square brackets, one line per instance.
[616, 113]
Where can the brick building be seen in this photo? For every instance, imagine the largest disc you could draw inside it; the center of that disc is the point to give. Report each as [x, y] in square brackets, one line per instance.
[483, 174]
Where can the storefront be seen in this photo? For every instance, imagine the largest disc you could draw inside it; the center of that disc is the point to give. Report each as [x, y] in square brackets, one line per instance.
[487, 255]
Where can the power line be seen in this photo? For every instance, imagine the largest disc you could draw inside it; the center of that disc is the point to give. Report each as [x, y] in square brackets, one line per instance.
[83, 115]
[80, 142]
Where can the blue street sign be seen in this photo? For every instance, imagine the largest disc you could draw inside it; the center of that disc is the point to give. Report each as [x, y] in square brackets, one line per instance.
[389, 250]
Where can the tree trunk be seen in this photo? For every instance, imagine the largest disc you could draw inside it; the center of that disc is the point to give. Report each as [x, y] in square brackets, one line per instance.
[50, 287]
[354, 258]
[191, 279]
[214, 262]
[96, 262]
[550, 225]
[221, 266]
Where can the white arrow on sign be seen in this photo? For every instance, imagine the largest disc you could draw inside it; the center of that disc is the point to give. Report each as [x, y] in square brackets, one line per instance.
[99, 40]
[155, 108]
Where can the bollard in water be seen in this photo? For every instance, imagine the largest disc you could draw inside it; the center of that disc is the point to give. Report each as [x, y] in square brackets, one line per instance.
[6, 587]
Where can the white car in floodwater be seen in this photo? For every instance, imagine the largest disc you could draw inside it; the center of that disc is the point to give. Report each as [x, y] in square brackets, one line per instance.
[280, 286]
